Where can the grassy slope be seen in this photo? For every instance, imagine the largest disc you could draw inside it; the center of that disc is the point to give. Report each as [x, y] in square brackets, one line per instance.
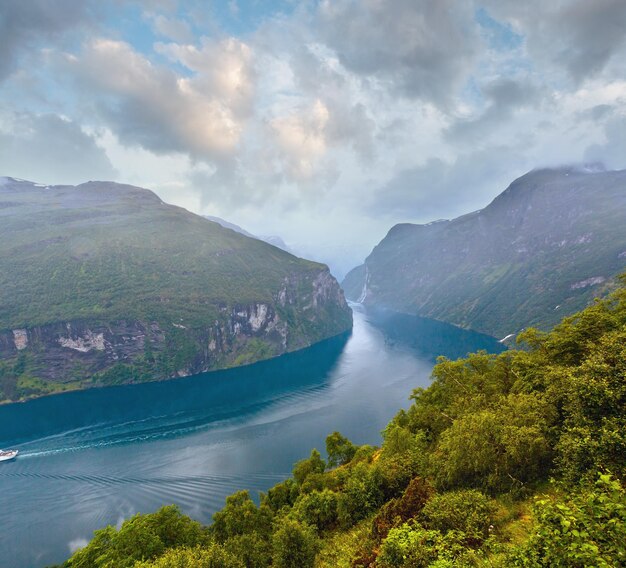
[89, 252]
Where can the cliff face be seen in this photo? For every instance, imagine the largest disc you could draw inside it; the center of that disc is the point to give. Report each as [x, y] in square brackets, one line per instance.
[105, 284]
[544, 248]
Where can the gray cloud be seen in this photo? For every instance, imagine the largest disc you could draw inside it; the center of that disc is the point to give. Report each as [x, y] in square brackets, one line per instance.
[439, 189]
[580, 36]
[28, 23]
[420, 48]
[50, 149]
[611, 153]
[505, 97]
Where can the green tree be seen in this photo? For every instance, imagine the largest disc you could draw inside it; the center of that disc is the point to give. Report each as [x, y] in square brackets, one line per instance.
[468, 512]
[339, 449]
[253, 549]
[213, 556]
[318, 508]
[142, 537]
[240, 516]
[311, 465]
[496, 449]
[295, 545]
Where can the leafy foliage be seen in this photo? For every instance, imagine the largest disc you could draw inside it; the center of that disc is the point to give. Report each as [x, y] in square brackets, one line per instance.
[142, 537]
[584, 529]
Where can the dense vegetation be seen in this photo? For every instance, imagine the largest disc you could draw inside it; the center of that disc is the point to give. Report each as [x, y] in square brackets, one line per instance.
[543, 249]
[516, 459]
[156, 281]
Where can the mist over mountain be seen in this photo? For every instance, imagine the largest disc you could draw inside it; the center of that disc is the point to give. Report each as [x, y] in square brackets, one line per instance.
[544, 248]
[270, 239]
[104, 283]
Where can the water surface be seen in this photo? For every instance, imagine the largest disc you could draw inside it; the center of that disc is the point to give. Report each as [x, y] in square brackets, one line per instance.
[96, 457]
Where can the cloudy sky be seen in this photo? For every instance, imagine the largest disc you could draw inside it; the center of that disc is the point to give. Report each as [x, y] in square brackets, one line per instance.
[325, 122]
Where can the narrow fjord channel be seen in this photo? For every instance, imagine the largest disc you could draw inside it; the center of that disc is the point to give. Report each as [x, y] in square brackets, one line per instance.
[92, 458]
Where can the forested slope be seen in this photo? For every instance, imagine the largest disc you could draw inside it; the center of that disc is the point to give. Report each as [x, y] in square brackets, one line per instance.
[462, 477]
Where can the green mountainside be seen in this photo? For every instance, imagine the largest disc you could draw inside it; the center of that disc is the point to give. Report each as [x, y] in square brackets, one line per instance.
[104, 284]
[544, 248]
[461, 480]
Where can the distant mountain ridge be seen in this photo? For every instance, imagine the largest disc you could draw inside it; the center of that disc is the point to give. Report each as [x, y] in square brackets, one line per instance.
[544, 248]
[104, 283]
[273, 240]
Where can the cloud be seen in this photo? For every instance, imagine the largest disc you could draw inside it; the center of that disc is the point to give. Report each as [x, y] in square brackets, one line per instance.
[28, 23]
[505, 97]
[612, 152]
[418, 48]
[172, 28]
[579, 36]
[165, 111]
[50, 149]
[438, 189]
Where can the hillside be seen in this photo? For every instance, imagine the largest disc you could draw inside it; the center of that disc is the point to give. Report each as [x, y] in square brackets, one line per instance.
[103, 283]
[461, 479]
[544, 248]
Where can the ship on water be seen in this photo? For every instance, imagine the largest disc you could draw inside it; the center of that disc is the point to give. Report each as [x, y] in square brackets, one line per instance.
[6, 455]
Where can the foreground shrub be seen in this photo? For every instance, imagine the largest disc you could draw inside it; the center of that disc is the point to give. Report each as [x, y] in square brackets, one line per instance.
[294, 545]
[586, 529]
[467, 512]
[413, 546]
[142, 537]
[318, 508]
[240, 516]
[213, 556]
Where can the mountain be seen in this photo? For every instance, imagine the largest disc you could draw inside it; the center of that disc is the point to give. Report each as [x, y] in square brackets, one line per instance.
[544, 248]
[103, 283]
[270, 239]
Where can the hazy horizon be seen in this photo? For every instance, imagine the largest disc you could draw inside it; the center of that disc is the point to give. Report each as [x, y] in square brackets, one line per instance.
[324, 123]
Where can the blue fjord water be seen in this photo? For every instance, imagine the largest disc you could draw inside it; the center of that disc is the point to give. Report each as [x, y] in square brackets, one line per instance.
[92, 458]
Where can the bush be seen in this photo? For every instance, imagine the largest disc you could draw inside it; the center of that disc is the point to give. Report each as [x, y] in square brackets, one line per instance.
[586, 529]
[214, 556]
[318, 508]
[496, 449]
[253, 549]
[283, 494]
[240, 516]
[141, 537]
[340, 450]
[360, 495]
[467, 511]
[294, 545]
[311, 465]
[413, 546]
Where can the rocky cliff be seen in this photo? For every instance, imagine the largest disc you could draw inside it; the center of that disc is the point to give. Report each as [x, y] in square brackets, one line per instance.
[544, 248]
[105, 284]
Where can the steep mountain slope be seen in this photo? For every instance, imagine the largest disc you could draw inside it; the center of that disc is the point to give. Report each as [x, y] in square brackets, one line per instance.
[544, 248]
[104, 283]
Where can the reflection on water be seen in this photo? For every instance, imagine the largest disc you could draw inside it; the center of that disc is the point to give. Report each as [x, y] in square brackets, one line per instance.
[96, 457]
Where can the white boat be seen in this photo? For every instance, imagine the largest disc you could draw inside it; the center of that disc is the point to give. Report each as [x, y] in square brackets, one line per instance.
[6, 455]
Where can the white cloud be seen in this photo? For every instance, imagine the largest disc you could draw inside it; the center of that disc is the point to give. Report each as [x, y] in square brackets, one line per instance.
[163, 111]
